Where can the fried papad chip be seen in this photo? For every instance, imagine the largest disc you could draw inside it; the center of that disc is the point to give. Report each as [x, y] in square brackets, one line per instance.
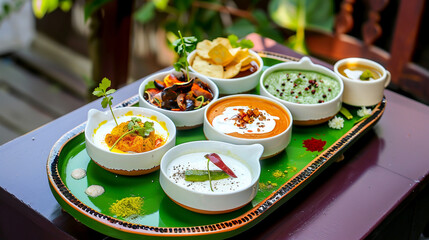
[241, 54]
[244, 68]
[203, 49]
[220, 55]
[234, 52]
[224, 41]
[207, 68]
[232, 69]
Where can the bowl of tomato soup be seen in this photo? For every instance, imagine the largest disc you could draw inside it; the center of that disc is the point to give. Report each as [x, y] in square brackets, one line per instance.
[249, 119]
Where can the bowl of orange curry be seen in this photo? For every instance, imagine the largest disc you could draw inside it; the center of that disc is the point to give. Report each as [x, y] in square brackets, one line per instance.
[249, 119]
[130, 143]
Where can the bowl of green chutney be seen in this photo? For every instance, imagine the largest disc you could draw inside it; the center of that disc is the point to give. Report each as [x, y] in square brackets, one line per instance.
[312, 92]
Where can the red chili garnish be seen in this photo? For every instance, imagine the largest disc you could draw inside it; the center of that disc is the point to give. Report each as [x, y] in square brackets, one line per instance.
[216, 160]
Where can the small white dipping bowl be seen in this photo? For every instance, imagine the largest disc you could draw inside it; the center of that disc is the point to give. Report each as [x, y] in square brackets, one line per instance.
[121, 163]
[182, 119]
[234, 85]
[215, 202]
[306, 114]
[363, 93]
[273, 145]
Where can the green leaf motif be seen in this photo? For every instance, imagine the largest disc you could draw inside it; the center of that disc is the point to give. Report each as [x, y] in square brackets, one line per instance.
[105, 102]
[109, 99]
[160, 4]
[148, 128]
[241, 28]
[105, 83]
[233, 39]
[245, 43]
[318, 14]
[97, 92]
[178, 66]
[110, 91]
[145, 13]
[93, 6]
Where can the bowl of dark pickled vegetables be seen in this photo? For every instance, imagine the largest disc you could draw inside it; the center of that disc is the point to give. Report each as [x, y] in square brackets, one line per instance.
[183, 99]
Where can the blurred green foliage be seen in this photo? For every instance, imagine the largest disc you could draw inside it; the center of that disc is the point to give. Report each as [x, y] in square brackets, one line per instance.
[208, 19]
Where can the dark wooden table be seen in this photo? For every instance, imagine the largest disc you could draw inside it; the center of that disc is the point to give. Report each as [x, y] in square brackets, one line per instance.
[378, 191]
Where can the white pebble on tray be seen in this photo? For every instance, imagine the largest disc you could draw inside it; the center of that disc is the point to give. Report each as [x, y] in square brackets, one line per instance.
[78, 173]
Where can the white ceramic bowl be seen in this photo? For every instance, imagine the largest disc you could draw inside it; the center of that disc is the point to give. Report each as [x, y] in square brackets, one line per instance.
[127, 164]
[212, 202]
[235, 85]
[363, 93]
[273, 145]
[182, 119]
[307, 114]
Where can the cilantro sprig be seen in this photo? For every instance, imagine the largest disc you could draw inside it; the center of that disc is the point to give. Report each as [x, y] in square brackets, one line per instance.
[101, 91]
[244, 43]
[134, 127]
[183, 46]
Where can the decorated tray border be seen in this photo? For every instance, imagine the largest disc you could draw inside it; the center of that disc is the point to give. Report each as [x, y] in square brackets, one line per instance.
[242, 222]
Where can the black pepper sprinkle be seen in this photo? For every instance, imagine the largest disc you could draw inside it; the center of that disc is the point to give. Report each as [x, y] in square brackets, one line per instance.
[324, 96]
[299, 93]
[329, 89]
[291, 92]
[313, 91]
[266, 85]
[283, 84]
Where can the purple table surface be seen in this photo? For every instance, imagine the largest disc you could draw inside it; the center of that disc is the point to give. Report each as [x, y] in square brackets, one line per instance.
[347, 201]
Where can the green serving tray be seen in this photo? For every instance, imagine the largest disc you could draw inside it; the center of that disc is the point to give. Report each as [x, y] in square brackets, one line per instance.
[282, 176]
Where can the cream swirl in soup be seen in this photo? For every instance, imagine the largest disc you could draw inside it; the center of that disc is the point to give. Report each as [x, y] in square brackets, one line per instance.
[229, 121]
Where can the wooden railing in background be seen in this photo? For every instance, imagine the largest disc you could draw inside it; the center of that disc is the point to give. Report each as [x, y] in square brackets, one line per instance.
[407, 77]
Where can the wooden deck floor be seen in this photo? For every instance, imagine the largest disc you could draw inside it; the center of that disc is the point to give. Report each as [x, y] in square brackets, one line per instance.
[36, 89]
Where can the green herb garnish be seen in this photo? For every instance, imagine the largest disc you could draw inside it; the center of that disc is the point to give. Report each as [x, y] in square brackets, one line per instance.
[244, 43]
[346, 113]
[136, 128]
[183, 46]
[366, 75]
[100, 91]
[203, 175]
[362, 118]
[201, 99]
[208, 173]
